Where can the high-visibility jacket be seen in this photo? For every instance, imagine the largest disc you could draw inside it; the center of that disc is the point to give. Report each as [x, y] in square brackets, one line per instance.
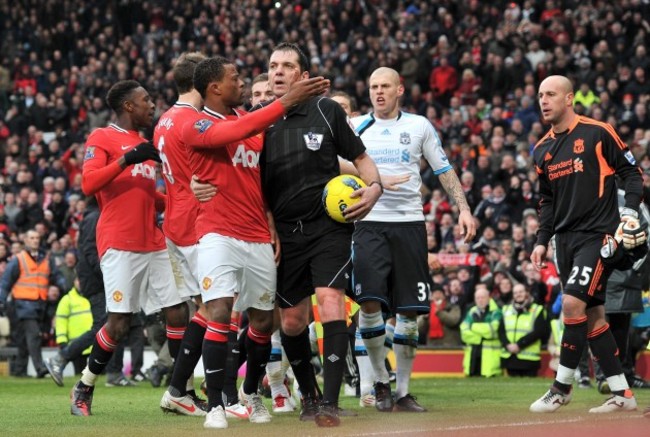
[557, 329]
[351, 308]
[482, 331]
[73, 318]
[517, 325]
[34, 278]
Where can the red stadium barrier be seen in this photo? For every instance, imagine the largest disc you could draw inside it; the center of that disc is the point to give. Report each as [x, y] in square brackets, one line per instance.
[450, 363]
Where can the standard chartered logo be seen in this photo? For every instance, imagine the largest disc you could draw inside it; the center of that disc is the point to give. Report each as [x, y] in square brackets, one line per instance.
[386, 155]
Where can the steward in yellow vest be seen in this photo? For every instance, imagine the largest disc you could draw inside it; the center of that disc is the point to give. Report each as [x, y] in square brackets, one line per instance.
[479, 332]
[523, 328]
[73, 318]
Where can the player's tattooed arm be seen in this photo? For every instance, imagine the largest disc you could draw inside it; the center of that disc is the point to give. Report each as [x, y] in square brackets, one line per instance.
[451, 184]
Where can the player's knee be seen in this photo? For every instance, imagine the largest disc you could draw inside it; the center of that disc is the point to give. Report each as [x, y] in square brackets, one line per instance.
[177, 315]
[370, 306]
[118, 326]
[573, 308]
[219, 310]
[262, 321]
[293, 325]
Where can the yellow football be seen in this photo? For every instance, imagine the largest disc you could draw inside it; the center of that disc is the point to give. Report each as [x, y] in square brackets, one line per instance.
[336, 195]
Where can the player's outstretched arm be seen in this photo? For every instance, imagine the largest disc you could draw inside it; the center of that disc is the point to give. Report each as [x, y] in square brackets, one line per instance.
[303, 90]
[390, 182]
[452, 186]
[370, 194]
[206, 134]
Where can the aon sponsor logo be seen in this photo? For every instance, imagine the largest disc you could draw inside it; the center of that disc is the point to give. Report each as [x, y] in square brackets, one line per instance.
[145, 170]
[247, 158]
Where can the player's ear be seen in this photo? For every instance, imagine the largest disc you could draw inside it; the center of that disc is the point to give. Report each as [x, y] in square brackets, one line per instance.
[304, 75]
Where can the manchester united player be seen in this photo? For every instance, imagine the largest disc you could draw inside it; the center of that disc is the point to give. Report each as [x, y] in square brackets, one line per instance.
[119, 169]
[576, 162]
[181, 209]
[235, 254]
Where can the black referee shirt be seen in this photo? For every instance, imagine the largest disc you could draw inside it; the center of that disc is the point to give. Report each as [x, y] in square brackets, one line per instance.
[301, 155]
[576, 172]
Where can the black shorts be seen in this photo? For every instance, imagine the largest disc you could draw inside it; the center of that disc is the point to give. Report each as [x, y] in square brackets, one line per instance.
[390, 265]
[582, 272]
[314, 254]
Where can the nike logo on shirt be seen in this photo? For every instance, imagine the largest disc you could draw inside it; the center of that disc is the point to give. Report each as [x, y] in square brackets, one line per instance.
[212, 370]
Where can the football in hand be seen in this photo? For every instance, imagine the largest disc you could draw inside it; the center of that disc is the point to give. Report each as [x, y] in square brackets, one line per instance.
[336, 195]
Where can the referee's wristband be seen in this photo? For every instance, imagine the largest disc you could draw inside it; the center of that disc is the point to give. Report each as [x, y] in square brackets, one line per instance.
[378, 183]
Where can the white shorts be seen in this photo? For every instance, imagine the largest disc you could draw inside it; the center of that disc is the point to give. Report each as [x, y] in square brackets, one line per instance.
[138, 280]
[228, 266]
[184, 261]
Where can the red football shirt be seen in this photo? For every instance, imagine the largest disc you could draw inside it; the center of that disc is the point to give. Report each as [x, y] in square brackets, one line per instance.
[181, 207]
[127, 203]
[238, 210]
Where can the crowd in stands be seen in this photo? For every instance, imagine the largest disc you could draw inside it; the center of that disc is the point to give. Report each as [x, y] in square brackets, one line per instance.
[472, 68]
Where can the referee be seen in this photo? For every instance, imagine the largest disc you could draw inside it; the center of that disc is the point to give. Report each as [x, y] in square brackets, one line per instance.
[300, 156]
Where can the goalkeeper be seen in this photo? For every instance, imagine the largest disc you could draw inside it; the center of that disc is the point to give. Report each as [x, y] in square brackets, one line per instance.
[577, 162]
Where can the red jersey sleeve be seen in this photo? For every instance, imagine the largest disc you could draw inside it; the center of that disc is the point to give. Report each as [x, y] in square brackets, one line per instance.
[204, 133]
[96, 174]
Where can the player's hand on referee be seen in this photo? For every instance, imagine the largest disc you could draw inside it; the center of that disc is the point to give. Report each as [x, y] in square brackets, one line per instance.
[303, 90]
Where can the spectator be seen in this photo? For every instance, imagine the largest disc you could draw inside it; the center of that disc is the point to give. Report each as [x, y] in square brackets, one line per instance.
[443, 321]
[522, 330]
[491, 209]
[443, 81]
[68, 268]
[30, 213]
[73, 318]
[479, 332]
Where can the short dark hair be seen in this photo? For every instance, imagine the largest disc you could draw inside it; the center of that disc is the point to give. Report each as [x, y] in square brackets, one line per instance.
[119, 93]
[291, 47]
[208, 71]
[264, 77]
[183, 71]
[352, 100]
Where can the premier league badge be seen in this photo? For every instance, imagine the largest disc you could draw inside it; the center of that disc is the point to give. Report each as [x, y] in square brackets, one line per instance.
[313, 140]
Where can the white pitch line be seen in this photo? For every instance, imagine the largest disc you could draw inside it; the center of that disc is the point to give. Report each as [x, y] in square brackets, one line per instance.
[493, 425]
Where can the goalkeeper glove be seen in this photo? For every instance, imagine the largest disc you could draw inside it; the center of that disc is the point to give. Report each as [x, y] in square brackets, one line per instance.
[633, 234]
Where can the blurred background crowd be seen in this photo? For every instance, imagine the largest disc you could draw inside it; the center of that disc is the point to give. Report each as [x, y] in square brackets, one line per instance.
[472, 68]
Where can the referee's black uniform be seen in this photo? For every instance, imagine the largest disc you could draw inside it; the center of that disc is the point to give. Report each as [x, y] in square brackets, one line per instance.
[300, 156]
